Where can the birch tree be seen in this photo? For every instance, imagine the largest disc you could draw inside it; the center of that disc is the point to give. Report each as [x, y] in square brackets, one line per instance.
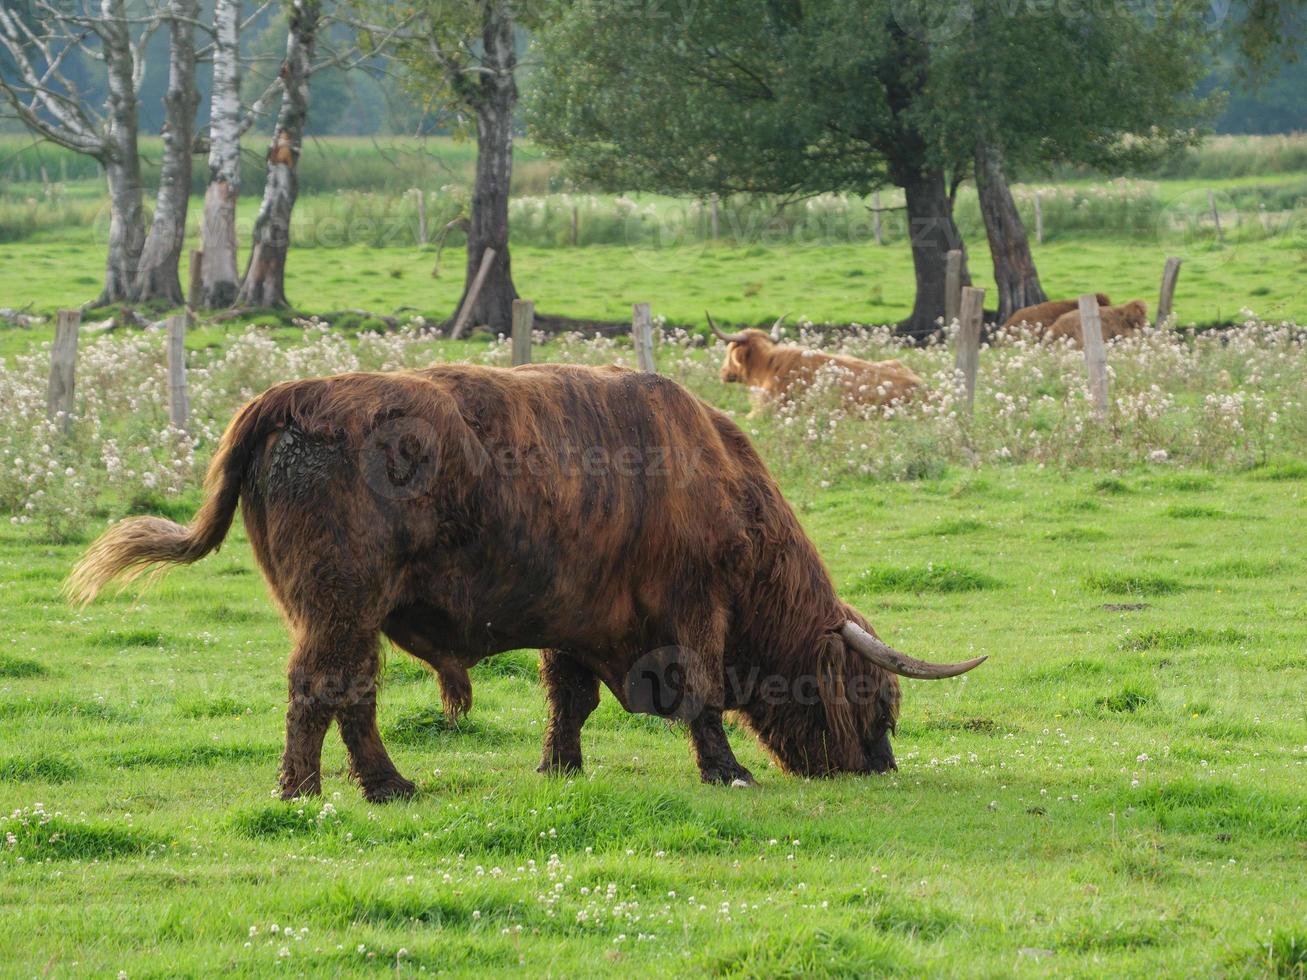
[45, 96]
[264, 284]
[218, 230]
[156, 275]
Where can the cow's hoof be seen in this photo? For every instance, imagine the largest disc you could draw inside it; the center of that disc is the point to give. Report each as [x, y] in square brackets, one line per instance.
[394, 787]
[560, 767]
[298, 790]
[735, 775]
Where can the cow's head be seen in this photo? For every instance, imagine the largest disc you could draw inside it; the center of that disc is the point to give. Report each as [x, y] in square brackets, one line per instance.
[1134, 314]
[746, 351]
[832, 710]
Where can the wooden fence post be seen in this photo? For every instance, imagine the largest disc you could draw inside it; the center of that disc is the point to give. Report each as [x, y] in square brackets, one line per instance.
[952, 286]
[1091, 335]
[422, 215]
[1039, 218]
[465, 314]
[179, 403]
[642, 334]
[875, 218]
[1165, 301]
[968, 349]
[63, 368]
[1216, 217]
[524, 319]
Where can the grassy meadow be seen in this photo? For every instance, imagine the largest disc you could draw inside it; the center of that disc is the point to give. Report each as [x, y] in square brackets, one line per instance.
[1117, 791]
[355, 237]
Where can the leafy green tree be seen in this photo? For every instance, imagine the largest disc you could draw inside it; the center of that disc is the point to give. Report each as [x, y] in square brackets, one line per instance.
[797, 97]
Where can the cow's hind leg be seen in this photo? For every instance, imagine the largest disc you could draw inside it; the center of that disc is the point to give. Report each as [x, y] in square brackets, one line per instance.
[573, 692]
[369, 763]
[333, 674]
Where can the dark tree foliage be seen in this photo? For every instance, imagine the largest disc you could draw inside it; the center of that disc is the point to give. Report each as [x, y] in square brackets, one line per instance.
[796, 97]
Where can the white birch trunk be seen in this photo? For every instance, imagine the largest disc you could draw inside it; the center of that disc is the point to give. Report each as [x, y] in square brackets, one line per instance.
[265, 276]
[122, 162]
[156, 276]
[218, 232]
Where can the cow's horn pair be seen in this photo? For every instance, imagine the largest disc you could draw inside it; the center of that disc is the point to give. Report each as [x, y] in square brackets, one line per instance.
[883, 655]
[735, 338]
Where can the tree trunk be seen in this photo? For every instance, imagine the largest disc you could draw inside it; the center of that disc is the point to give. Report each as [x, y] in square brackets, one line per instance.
[156, 276]
[265, 276]
[122, 162]
[933, 234]
[220, 282]
[493, 98]
[1014, 266]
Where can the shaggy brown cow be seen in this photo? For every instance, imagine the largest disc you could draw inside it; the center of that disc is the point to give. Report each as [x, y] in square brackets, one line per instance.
[776, 372]
[608, 517]
[1041, 316]
[1118, 321]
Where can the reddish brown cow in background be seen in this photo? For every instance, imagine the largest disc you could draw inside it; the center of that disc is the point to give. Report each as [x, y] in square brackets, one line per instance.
[1117, 321]
[606, 516]
[776, 372]
[1041, 316]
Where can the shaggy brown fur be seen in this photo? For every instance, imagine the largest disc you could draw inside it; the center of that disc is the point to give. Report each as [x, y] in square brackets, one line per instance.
[779, 371]
[1118, 321]
[1041, 316]
[595, 513]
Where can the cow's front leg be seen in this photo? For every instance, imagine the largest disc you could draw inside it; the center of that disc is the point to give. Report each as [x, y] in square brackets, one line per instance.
[573, 692]
[717, 762]
[702, 650]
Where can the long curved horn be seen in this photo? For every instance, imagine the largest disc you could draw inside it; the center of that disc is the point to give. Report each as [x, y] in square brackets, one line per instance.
[883, 655]
[730, 338]
[776, 328]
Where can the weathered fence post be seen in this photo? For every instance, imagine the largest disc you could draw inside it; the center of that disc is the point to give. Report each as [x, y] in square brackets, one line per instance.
[875, 218]
[1216, 217]
[422, 215]
[465, 314]
[952, 286]
[1170, 273]
[1091, 335]
[63, 368]
[1039, 218]
[642, 335]
[968, 350]
[524, 318]
[179, 403]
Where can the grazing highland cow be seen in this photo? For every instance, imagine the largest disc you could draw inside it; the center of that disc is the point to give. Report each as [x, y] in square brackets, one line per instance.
[607, 517]
[1118, 321]
[1041, 316]
[776, 372]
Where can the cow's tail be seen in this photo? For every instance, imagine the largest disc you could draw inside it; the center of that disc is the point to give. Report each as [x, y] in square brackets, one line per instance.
[141, 545]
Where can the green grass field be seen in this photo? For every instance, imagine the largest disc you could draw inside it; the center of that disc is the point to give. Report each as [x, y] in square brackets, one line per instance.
[837, 283]
[1118, 791]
